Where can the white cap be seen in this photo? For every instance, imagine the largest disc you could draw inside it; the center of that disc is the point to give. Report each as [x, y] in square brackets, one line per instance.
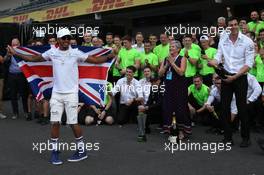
[204, 38]
[63, 32]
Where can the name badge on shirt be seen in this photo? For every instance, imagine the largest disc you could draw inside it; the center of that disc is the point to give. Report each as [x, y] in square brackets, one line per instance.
[169, 75]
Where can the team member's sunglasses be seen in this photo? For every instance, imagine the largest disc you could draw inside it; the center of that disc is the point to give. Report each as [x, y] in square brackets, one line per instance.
[68, 37]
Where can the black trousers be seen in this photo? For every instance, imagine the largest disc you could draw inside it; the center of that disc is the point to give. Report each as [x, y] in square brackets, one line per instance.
[202, 117]
[154, 115]
[18, 85]
[255, 113]
[239, 87]
[126, 113]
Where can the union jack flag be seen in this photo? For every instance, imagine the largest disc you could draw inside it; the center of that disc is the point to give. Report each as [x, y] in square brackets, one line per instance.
[92, 77]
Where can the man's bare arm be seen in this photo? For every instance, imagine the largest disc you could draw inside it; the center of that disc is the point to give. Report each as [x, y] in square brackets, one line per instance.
[101, 59]
[34, 58]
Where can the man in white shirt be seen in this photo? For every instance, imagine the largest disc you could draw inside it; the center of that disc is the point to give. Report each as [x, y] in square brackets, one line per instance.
[142, 116]
[236, 52]
[130, 94]
[65, 89]
[139, 43]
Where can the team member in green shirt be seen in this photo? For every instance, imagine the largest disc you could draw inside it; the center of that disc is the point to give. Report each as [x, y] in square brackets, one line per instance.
[255, 20]
[198, 94]
[207, 54]
[162, 50]
[153, 41]
[148, 58]
[260, 67]
[192, 55]
[127, 56]
[109, 38]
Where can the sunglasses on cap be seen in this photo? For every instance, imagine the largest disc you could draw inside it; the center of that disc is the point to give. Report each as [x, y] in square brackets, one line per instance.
[68, 37]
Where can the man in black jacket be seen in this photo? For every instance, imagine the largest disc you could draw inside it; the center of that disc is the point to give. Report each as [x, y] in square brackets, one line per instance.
[154, 104]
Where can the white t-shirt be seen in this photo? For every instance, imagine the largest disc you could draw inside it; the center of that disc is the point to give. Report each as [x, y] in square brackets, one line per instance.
[127, 92]
[139, 49]
[65, 68]
[146, 87]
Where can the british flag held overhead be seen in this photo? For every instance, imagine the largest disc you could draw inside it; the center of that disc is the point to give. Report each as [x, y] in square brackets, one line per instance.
[92, 77]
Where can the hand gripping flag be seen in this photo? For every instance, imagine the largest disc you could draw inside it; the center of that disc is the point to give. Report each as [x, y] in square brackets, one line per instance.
[92, 77]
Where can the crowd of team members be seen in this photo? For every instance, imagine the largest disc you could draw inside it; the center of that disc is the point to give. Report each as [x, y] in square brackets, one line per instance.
[137, 87]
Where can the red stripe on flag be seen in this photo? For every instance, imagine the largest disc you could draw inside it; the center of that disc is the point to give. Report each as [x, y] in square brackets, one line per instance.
[43, 83]
[42, 71]
[97, 54]
[27, 50]
[94, 72]
[90, 94]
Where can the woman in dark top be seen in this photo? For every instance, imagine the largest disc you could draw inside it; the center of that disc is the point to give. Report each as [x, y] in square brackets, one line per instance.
[175, 98]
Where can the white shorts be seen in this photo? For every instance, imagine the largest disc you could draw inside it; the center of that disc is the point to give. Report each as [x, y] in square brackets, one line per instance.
[61, 101]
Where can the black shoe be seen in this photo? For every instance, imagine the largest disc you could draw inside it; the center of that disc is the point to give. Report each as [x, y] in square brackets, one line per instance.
[245, 143]
[144, 138]
[28, 116]
[228, 141]
[261, 143]
[140, 138]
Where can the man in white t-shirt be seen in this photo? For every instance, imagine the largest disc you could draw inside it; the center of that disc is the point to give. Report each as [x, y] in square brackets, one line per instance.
[65, 89]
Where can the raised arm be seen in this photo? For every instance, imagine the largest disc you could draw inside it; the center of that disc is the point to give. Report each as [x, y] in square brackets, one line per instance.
[101, 59]
[34, 58]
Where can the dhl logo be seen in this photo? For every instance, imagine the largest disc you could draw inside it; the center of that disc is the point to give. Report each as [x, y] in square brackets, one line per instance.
[56, 13]
[20, 18]
[99, 5]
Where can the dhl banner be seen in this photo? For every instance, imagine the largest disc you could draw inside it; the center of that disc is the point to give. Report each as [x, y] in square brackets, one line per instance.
[81, 7]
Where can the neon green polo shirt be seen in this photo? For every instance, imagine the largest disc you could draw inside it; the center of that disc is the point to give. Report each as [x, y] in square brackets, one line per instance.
[260, 69]
[253, 71]
[205, 70]
[152, 59]
[190, 69]
[251, 25]
[107, 97]
[162, 51]
[127, 58]
[87, 44]
[259, 27]
[196, 46]
[200, 95]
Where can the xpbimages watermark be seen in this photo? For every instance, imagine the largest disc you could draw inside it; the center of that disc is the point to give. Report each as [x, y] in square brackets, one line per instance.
[212, 147]
[128, 89]
[64, 146]
[187, 29]
[80, 30]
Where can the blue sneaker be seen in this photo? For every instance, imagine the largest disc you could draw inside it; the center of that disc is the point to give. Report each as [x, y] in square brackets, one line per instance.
[78, 156]
[55, 158]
